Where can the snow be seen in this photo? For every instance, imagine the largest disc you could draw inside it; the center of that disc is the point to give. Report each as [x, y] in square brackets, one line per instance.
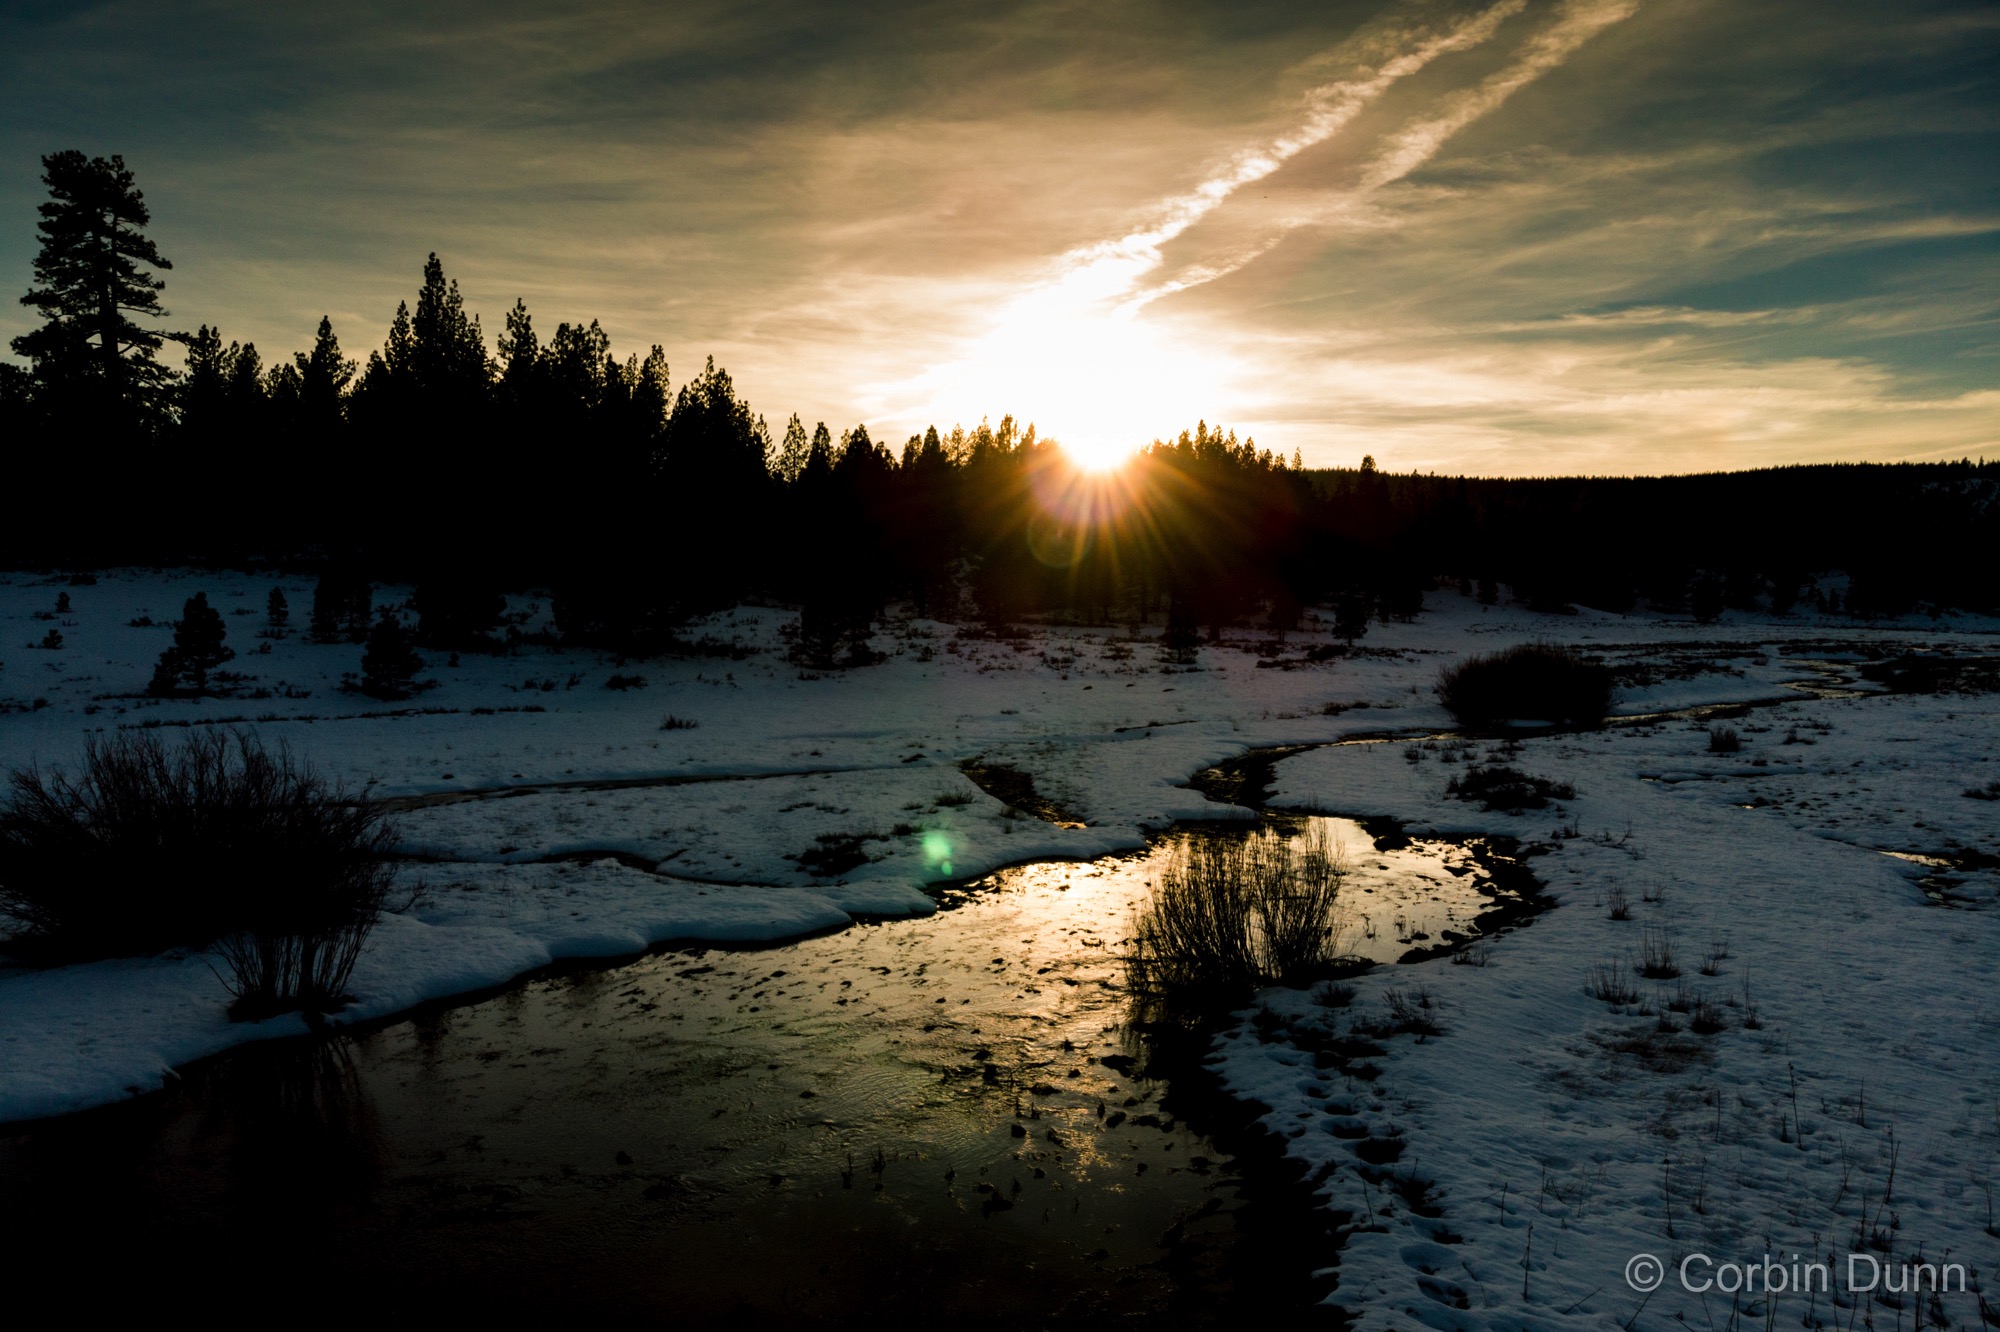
[1544, 1107]
[551, 817]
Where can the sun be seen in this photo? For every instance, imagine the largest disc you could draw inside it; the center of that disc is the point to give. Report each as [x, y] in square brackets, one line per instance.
[1103, 382]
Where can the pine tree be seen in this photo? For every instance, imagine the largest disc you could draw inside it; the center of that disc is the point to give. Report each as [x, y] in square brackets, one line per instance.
[324, 376]
[204, 385]
[197, 649]
[326, 608]
[91, 281]
[389, 666]
[520, 363]
[341, 602]
[1350, 616]
[447, 350]
[277, 613]
[458, 609]
[791, 459]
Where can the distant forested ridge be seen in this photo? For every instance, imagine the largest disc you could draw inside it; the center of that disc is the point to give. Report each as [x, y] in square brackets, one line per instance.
[541, 458]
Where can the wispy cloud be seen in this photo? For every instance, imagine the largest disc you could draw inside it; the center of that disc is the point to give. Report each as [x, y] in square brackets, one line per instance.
[1416, 143]
[1112, 268]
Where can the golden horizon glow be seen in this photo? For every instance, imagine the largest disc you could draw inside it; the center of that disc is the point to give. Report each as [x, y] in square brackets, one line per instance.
[1103, 378]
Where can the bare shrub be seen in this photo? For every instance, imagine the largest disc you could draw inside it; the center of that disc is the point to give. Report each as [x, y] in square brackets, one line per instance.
[1503, 788]
[1414, 1011]
[215, 840]
[1608, 981]
[1230, 914]
[1531, 681]
[1718, 953]
[1724, 740]
[1333, 995]
[1705, 1018]
[1619, 906]
[1656, 954]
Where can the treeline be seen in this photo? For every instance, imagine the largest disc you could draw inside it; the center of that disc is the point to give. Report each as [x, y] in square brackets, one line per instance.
[548, 461]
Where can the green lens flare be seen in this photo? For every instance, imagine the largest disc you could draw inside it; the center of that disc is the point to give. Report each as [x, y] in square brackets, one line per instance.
[937, 850]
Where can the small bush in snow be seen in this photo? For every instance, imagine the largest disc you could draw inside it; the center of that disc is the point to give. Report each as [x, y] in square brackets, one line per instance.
[673, 723]
[1656, 955]
[215, 840]
[1724, 740]
[1501, 787]
[1608, 981]
[1529, 682]
[1414, 1011]
[1705, 1019]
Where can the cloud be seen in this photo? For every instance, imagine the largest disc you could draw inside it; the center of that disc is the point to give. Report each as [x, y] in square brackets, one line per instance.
[1416, 143]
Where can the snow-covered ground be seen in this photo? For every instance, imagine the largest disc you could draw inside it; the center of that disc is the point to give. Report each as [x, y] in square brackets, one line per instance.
[554, 817]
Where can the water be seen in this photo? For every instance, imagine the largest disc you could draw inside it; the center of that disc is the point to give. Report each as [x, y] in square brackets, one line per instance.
[946, 1117]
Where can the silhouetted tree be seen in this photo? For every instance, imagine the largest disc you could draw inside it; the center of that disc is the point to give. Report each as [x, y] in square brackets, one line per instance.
[1350, 616]
[390, 665]
[91, 280]
[1705, 597]
[277, 613]
[197, 649]
[341, 604]
[457, 610]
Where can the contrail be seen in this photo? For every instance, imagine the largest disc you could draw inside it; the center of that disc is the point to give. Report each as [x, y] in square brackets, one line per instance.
[1113, 268]
[1412, 146]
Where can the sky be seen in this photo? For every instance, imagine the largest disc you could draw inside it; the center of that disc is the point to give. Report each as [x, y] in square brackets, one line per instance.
[1492, 237]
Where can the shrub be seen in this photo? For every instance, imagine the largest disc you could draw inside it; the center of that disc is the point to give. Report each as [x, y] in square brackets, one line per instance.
[620, 683]
[1724, 740]
[1656, 955]
[216, 840]
[1529, 682]
[1414, 1012]
[1230, 914]
[673, 723]
[1501, 787]
[1608, 981]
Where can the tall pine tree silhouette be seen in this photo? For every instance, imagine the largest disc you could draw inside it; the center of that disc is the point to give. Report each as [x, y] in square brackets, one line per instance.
[91, 354]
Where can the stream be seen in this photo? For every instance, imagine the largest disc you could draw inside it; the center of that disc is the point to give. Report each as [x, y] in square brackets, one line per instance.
[950, 1116]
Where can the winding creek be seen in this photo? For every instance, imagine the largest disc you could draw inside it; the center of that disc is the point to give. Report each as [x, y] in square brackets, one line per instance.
[949, 1117]
[942, 1117]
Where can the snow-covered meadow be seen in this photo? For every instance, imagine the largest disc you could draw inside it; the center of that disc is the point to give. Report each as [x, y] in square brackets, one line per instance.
[551, 816]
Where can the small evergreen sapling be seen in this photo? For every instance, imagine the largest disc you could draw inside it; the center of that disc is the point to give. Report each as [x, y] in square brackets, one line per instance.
[197, 649]
[277, 613]
[1350, 616]
[389, 667]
